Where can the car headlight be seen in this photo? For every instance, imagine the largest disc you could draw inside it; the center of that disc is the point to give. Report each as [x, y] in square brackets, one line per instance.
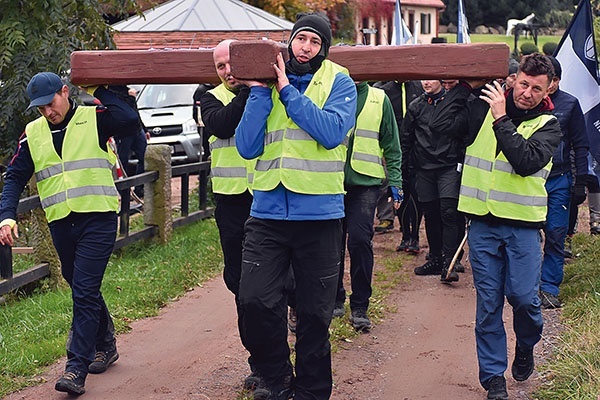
[190, 127]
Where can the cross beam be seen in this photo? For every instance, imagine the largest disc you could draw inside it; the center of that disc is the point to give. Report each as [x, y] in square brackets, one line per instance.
[365, 63]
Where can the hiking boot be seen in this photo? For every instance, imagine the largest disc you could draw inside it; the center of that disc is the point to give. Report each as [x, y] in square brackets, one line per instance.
[458, 267]
[360, 321]
[448, 278]
[281, 391]
[71, 382]
[497, 389]
[431, 267]
[102, 361]
[384, 226]
[522, 366]
[338, 310]
[403, 246]
[251, 382]
[413, 247]
[549, 301]
[292, 320]
[568, 247]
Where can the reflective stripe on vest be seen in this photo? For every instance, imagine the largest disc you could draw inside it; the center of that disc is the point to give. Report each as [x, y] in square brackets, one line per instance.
[489, 183]
[291, 156]
[80, 181]
[230, 173]
[367, 154]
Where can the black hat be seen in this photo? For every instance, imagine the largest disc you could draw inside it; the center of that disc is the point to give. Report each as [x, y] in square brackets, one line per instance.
[513, 66]
[557, 67]
[42, 88]
[314, 22]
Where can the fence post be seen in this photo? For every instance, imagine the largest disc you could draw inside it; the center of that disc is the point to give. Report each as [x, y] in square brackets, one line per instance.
[6, 271]
[41, 240]
[157, 200]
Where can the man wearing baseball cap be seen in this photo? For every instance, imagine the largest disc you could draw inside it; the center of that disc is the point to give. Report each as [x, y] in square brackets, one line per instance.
[66, 150]
[297, 130]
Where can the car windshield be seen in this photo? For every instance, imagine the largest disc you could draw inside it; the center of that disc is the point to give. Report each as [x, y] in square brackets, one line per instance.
[164, 96]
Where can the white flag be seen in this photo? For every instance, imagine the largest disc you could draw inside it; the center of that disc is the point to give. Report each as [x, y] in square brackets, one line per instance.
[400, 34]
[462, 34]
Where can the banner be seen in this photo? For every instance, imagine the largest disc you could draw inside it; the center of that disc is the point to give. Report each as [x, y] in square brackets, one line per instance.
[576, 53]
[401, 34]
[462, 34]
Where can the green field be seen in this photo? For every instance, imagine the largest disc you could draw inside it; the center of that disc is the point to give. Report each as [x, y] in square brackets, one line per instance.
[509, 40]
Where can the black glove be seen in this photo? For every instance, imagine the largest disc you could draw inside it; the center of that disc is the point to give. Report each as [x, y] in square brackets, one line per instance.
[578, 194]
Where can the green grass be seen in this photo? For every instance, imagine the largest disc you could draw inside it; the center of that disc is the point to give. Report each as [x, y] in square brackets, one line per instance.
[574, 371]
[139, 280]
[509, 40]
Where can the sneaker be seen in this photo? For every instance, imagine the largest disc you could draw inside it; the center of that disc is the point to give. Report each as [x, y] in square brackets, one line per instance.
[251, 382]
[445, 278]
[413, 247]
[384, 226]
[283, 391]
[71, 382]
[497, 389]
[522, 366]
[292, 320]
[595, 227]
[549, 301]
[102, 361]
[431, 267]
[338, 310]
[403, 246]
[360, 321]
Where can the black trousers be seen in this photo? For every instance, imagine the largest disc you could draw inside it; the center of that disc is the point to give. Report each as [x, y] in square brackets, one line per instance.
[313, 250]
[231, 214]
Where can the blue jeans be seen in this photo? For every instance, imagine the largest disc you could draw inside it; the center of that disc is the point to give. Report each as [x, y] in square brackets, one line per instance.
[506, 261]
[84, 243]
[359, 203]
[557, 224]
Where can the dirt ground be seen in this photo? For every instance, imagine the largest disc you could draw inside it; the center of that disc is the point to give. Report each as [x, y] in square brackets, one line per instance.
[423, 349]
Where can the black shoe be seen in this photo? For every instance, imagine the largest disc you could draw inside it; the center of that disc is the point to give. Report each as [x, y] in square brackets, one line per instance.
[283, 391]
[102, 361]
[360, 321]
[431, 267]
[522, 366]
[338, 309]
[385, 226]
[595, 228]
[403, 246]
[549, 301]
[497, 389]
[251, 382]
[458, 267]
[292, 320]
[448, 278]
[568, 247]
[71, 382]
[413, 247]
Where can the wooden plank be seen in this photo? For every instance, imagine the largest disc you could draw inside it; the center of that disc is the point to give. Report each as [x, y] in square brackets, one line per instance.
[427, 61]
[25, 277]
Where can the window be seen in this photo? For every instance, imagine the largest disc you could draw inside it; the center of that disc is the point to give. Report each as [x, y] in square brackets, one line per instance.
[425, 24]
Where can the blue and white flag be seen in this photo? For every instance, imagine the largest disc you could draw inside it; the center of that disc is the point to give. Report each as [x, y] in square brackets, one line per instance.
[576, 53]
[462, 34]
[401, 34]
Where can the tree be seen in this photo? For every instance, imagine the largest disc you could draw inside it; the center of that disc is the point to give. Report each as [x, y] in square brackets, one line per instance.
[39, 35]
[289, 8]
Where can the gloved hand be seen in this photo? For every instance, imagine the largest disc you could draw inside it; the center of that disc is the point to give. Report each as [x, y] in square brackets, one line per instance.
[397, 194]
[578, 194]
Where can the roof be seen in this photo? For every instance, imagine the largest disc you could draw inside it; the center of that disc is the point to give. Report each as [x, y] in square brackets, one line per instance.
[421, 3]
[203, 15]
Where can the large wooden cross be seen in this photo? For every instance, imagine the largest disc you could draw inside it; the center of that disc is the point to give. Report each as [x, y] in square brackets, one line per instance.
[365, 63]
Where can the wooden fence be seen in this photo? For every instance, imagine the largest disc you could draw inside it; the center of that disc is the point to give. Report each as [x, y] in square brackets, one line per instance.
[157, 211]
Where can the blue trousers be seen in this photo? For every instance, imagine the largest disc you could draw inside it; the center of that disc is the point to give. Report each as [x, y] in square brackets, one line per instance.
[313, 250]
[506, 262]
[359, 203]
[84, 243]
[557, 225]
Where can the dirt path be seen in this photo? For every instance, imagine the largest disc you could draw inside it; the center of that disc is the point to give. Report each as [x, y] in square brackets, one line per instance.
[423, 350]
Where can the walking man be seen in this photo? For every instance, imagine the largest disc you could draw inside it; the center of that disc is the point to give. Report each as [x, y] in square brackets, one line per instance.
[66, 150]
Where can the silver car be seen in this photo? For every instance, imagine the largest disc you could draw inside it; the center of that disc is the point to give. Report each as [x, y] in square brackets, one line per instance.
[166, 111]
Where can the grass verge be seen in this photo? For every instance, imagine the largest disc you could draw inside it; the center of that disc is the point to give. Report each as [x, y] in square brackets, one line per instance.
[139, 280]
[573, 373]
